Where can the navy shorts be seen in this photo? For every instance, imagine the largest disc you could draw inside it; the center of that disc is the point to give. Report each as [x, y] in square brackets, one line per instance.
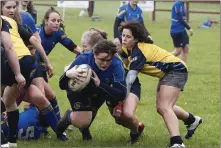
[28, 66]
[86, 99]
[136, 88]
[41, 72]
[180, 39]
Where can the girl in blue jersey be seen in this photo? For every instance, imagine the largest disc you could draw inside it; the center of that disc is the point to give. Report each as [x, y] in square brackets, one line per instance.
[88, 40]
[177, 30]
[128, 12]
[51, 34]
[107, 83]
[172, 72]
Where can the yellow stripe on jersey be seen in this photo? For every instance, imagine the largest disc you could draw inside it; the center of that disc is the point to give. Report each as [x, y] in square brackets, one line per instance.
[153, 60]
[158, 56]
[19, 46]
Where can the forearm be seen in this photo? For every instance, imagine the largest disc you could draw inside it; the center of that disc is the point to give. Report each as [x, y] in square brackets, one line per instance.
[182, 21]
[37, 45]
[13, 61]
[130, 78]
[115, 93]
[116, 25]
[10, 53]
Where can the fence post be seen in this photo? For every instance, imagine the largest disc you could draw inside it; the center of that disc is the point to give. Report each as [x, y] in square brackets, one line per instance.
[154, 11]
[187, 12]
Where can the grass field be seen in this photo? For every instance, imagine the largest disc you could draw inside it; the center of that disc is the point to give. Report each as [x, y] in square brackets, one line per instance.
[201, 95]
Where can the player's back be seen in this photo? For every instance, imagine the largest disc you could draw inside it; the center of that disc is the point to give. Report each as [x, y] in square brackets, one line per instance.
[28, 125]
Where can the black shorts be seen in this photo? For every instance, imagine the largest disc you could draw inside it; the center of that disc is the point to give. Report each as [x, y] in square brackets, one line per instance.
[180, 39]
[41, 72]
[136, 88]
[86, 99]
[28, 66]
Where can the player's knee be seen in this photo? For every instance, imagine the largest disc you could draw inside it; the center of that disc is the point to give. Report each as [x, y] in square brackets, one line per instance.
[80, 120]
[129, 115]
[179, 50]
[40, 101]
[162, 109]
[186, 49]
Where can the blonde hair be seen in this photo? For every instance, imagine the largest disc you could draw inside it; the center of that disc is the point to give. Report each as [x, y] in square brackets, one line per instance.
[93, 36]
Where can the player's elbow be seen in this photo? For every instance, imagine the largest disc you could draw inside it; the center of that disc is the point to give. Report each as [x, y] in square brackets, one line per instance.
[33, 40]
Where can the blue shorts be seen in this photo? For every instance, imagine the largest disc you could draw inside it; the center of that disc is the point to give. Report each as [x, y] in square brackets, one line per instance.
[180, 39]
[28, 66]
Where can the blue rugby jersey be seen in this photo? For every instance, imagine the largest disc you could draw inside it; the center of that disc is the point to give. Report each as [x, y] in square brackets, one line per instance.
[49, 41]
[28, 125]
[28, 22]
[178, 17]
[113, 76]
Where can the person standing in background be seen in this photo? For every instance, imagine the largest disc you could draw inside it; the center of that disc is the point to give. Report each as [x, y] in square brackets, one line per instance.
[178, 32]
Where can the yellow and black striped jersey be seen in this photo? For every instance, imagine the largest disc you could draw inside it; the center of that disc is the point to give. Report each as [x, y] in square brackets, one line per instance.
[153, 60]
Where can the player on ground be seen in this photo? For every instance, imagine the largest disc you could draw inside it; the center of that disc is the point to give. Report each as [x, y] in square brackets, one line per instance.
[107, 84]
[178, 32]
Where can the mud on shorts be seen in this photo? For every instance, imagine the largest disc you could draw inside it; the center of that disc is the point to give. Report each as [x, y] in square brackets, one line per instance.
[174, 78]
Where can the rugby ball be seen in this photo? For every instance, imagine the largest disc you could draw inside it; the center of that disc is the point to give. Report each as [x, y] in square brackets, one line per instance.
[76, 85]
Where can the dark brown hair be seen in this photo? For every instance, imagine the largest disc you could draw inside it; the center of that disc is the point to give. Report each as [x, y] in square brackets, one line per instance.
[105, 46]
[138, 31]
[47, 14]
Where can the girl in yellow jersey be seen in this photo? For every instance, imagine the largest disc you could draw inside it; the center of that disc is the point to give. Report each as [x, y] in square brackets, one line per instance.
[149, 59]
[28, 65]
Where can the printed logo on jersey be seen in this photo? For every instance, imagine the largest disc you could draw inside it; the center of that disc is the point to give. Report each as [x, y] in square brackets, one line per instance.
[64, 36]
[77, 105]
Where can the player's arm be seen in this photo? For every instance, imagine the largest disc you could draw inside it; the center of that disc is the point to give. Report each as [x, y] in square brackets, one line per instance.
[118, 20]
[30, 25]
[27, 36]
[136, 65]
[68, 74]
[178, 10]
[116, 92]
[68, 43]
[11, 55]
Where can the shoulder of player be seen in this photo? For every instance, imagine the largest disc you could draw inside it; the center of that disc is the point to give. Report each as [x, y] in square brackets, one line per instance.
[85, 55]
[122, 9]
[116, 61]
[139, 8]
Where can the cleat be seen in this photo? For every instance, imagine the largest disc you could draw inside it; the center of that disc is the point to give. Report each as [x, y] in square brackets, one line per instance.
[69, 129]
[63, 123]
[177, 145]
[5, 145]
[47, 135]
[135, 137]
[62, 137]
[86, 135]
[192, 127]
[12, 144]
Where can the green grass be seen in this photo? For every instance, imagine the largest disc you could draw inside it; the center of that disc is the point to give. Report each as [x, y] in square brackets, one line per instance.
[201, 95]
